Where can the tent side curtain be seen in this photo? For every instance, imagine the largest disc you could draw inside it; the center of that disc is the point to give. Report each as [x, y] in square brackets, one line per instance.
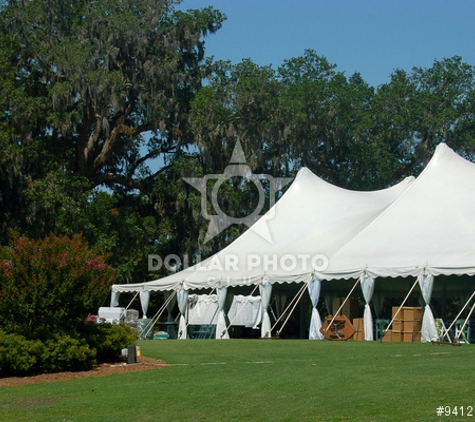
[367, 286]
[225, 300]
[429, 328]
[115, 299]
[144, 301]
[182, 299]
[315, 322]
[265, 291]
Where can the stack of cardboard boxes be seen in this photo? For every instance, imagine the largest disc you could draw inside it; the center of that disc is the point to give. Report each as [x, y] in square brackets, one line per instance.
[406, 326]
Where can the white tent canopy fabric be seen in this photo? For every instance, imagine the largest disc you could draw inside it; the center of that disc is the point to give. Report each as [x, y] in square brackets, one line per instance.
[311, 221]
[429, 229]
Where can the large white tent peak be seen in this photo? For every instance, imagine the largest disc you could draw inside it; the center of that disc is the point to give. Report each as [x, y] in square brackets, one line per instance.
[429, 229]
[312, 218]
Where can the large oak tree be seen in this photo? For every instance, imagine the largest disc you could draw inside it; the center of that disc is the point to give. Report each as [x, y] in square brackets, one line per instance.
[97, 94]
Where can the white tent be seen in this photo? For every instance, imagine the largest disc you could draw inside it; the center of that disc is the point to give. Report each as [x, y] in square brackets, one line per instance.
[422, 228]
[311, 221]
[428, 231]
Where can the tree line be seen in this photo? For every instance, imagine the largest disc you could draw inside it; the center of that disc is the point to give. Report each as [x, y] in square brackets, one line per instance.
[105, 108]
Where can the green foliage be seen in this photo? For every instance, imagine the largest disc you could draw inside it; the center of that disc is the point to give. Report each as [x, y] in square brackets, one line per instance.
[97, 343]
[51, 285]
[108, 340]
[64, 353]
[55, 204]
[19, 356]
[103, 113]
[106, 73]
[94, 95]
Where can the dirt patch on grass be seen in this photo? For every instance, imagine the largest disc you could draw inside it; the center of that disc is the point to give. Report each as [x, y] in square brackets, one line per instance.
[103, 370]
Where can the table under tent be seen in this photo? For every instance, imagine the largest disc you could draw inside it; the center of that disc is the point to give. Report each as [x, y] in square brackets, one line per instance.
[322, 241]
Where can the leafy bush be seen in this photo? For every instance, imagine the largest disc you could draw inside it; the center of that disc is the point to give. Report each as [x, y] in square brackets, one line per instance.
[22, 357]
[50, 285]
[19, 356]
[64, 353]
[109, 339]
[47, 288]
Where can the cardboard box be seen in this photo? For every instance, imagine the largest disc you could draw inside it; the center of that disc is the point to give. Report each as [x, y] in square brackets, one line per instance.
[358, 336]
[398, 325]
[358, 324]
[412, 325]
[387, 337]
[396, 335]
[400, 314]
[409, 313]
[412, 313]
[392, 336]
[412, 336]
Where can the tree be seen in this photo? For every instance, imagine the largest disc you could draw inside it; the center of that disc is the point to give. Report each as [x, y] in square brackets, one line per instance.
[106, 85]
[97, 95]
[327, 115]
[416, 111]
[308, 114]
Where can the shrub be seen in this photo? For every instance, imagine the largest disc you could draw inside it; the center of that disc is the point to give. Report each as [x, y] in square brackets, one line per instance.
[109, 339]
[19, 356]
[64, 353]
[22, 357]
[50, 285]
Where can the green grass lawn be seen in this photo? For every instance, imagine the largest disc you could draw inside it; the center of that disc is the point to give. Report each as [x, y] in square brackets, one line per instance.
[263, 380]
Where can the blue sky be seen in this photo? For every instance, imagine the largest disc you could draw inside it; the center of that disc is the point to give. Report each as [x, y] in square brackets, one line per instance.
[372, 37]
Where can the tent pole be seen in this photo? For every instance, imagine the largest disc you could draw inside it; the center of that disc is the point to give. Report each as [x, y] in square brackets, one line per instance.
[158, 314]
[460, 313]
[341, 306]
[128, 306]
[237, 313]
[300, 294]
[402, 304]
[287, 308]
[465, 323]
